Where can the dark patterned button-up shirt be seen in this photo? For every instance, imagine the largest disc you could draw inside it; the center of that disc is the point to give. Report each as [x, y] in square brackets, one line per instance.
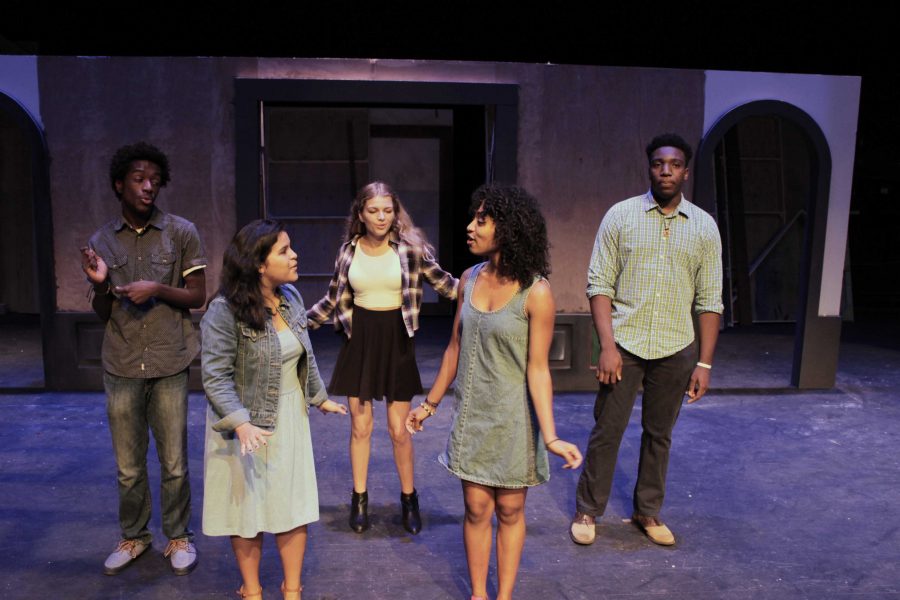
[152, 339]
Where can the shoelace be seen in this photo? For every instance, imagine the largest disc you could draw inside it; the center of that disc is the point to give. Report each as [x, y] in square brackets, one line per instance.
[129, 546]
[176, 545]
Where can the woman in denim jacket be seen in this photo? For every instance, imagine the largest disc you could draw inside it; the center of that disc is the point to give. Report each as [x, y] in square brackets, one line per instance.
[504, 397]
[260, 375]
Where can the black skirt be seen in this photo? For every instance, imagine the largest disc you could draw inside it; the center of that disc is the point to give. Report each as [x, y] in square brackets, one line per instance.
[379, 360]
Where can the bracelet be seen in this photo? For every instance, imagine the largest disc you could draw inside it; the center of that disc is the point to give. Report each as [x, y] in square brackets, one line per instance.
[704, 365]
[547, 444]
[433, 405]
[424, 406]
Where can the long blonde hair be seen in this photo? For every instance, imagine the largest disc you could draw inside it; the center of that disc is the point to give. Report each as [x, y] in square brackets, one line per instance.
[403, 224]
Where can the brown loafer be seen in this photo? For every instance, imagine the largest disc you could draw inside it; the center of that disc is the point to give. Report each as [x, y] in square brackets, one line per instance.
[654, 529]
[582, 530]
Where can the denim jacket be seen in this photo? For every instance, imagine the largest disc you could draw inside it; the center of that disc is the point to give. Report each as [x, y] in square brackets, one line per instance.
[241, 366]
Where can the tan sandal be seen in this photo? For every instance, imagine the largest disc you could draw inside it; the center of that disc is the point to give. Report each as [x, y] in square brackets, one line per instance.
[243, 594]
[291, 594]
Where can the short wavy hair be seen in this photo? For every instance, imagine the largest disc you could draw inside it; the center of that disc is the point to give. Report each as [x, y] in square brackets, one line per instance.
[520, 231]
[124, 156]
[672, 140]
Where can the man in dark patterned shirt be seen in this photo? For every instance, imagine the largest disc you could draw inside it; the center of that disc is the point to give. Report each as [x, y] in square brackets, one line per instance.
[147, 271]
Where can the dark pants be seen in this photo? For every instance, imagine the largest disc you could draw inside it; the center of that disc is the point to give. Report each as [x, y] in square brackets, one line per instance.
[665, 381]
[135, 407]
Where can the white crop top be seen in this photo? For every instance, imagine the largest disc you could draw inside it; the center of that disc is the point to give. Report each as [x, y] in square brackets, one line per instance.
[375, 280]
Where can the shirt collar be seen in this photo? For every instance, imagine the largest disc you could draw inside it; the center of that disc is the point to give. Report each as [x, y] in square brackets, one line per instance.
[155, 221]
[684, 207]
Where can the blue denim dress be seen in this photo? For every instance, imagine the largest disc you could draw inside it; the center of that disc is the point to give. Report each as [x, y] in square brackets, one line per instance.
[494, 438]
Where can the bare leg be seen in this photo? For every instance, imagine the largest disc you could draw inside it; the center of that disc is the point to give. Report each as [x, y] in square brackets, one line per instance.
[510, 538]
[477, 532]
[402, 441]
[360, 441]
[248, 552]
[291, 547]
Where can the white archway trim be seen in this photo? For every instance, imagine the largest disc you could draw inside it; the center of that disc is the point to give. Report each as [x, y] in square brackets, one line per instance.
[19, 80]
[833, 102]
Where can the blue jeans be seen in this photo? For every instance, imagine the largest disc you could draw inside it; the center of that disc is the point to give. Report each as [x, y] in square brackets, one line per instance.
[135, 407]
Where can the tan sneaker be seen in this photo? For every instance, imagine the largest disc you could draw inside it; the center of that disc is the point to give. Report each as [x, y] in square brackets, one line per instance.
[582, 531]
[654, 529]
[124, 554]
[182, 556]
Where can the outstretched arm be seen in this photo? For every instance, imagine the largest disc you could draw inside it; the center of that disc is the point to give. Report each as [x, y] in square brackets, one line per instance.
[324, 308]
[447, 372]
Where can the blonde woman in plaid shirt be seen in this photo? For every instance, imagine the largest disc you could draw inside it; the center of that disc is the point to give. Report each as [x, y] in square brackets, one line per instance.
[374, 298]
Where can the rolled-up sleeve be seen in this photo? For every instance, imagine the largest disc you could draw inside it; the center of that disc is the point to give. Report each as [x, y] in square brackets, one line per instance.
[443, 282]
[193, 257]
[218, 357]
[604, 258]
[708, 284]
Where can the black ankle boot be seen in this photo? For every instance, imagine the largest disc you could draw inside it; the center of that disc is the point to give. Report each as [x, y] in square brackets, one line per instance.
[412, 522]
[359, 511]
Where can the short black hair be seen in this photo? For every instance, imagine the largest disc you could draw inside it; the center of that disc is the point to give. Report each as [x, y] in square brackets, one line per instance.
[124, 156]
[672, 140]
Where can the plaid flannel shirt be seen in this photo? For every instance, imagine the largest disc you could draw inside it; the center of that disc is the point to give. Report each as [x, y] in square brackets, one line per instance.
[415, 263]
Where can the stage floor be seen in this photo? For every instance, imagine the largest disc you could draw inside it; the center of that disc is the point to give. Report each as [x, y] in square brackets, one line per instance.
[775, 494]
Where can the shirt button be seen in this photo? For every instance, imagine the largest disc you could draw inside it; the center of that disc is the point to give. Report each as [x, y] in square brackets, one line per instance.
[140, 258]
[657, 294]
[655, 314]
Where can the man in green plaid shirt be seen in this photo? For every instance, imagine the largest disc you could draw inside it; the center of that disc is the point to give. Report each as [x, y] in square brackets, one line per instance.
[656, 258]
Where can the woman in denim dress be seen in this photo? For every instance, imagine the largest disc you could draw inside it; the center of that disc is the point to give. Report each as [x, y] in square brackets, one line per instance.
[498, 352]
[260, 375]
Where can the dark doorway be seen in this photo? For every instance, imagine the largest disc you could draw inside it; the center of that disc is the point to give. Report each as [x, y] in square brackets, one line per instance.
[764, 170]
[762, 200]
[25, 264]
[305, 147]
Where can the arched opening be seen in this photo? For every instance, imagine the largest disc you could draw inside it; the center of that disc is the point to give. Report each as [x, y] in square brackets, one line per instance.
[27, 295]
[763, 170]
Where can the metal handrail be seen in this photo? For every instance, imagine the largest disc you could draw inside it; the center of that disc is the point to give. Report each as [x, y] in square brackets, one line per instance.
[774, 241]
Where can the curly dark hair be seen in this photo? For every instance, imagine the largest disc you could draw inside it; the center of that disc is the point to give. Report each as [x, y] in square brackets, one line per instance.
[672, 140]
[248, 249]
[124, 156]
[520, 231]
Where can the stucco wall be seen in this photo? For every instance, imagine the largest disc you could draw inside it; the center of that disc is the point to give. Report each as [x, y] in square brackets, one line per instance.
[581, 136]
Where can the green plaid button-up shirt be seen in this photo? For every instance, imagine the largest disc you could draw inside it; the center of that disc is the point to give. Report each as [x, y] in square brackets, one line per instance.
[655, 268]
